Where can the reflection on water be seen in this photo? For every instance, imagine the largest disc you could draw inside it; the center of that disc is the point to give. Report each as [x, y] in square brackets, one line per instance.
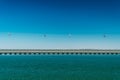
[48, 67]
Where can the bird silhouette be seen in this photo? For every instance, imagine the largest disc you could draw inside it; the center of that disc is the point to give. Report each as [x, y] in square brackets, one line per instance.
[104, 35]
[44, 35]
[9, 34]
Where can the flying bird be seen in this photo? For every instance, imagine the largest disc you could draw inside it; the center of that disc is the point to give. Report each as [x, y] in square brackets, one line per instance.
[104, 35]
[9, 34]
[44, 35]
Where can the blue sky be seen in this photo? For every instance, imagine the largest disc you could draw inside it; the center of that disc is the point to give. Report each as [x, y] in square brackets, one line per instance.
[86, 20]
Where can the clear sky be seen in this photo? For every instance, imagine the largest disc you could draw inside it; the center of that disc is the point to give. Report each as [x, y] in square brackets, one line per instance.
[66, 23]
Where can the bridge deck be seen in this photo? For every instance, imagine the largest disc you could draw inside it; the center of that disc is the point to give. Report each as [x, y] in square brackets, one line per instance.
[57, 51]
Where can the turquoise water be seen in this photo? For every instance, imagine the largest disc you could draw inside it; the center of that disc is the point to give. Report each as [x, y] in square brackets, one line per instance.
[60, 67]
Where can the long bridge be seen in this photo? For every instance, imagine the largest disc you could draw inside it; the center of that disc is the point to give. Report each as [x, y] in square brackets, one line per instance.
[59, 51]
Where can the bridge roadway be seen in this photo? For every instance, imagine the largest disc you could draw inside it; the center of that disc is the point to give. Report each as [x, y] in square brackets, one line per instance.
[59, 51]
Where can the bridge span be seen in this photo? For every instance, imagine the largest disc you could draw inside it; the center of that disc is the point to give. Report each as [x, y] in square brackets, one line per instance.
[59, 51]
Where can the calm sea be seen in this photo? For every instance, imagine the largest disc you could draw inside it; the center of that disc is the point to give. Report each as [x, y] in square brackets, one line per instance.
[48, 67]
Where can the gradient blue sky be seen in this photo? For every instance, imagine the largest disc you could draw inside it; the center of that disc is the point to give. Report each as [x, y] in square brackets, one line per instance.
[86, 20]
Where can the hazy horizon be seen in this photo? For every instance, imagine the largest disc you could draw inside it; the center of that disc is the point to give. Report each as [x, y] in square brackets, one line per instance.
[59, 24]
